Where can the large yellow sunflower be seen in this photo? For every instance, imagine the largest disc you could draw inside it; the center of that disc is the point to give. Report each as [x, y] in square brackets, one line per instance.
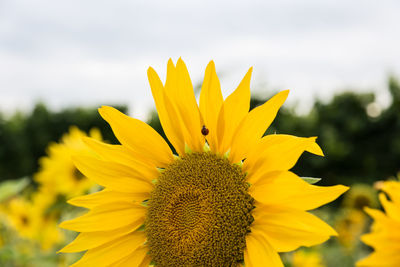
[385, 231]
[226, 199]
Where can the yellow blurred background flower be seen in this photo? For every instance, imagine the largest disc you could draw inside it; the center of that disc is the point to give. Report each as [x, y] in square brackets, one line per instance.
[307, 258]
[385, 231]
[57, 174]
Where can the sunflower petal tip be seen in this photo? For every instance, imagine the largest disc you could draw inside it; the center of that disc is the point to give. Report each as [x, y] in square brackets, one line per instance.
[64, 250]
[286, 92]
[150, 71]
[367, 209]
[344, 188]
[180, 61]
[103, 110]
[382, 197]
[73, 202]
[211, 64]
[64, 225]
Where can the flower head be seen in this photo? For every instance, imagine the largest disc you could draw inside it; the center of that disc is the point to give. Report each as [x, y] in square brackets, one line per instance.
[21, 217]
[58, 174]
[31, 219]
[227, 198]
[360, 196]
[350, 224]
[385, 231]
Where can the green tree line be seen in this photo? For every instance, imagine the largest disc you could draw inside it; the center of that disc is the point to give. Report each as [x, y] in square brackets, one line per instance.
[357, 147]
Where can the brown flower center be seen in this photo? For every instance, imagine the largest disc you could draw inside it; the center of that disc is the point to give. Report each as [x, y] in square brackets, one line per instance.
[199, 213]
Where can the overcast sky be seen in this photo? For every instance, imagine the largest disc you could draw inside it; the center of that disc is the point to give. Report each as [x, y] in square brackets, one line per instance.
[91, 52]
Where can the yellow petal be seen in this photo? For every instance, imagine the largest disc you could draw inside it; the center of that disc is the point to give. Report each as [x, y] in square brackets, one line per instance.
[287, 189]
[108, 168]
[233, 110]
[210, 103]
[167, 114]
[106, 217]
[259, 252]
[179, 90]
[254, 125]
[188, 110]
[138, 136]
[107, 196]
[109, 175]
[134, 259]
[113, 251]
[171, 80]
[90, 240]
[392, 211]
[146, 261]
[377, 215]
[380, 259]
[288, 229]
[122, 155]
[383, 240]
[392, 188]
[382, 222]
[315, 149]
[275, 152]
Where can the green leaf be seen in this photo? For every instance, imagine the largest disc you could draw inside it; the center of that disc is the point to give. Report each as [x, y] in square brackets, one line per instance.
[12, 187]
[311, 180]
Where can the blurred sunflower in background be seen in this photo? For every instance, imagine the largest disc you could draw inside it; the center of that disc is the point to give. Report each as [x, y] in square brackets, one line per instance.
[226, 199]
[35, 212]
[360, 196]
[384, 237]
[351, 221]
[350, 224]
[57, 174]
[30, 218]
[22, 217]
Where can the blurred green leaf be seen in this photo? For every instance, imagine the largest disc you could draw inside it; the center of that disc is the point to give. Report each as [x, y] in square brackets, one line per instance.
[12, 187]
[311, 180]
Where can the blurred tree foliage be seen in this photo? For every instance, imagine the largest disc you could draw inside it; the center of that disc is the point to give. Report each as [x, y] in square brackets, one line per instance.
[358, 147]
[24, 137]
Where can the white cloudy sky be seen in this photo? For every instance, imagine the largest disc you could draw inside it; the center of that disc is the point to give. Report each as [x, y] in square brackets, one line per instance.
[97, 52]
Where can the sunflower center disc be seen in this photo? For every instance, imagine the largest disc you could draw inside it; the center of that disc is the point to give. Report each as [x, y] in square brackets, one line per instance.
[199, 213]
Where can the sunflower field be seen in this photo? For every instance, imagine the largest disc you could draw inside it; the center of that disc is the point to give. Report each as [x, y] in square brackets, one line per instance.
[205, 181]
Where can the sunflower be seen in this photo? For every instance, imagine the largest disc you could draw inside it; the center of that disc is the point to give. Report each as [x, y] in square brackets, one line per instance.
[47, 234]
[57, 174]
[32, 221]
[385, 230]
[21, 217]
[227, 198]
[360, 196]
[350, 225]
